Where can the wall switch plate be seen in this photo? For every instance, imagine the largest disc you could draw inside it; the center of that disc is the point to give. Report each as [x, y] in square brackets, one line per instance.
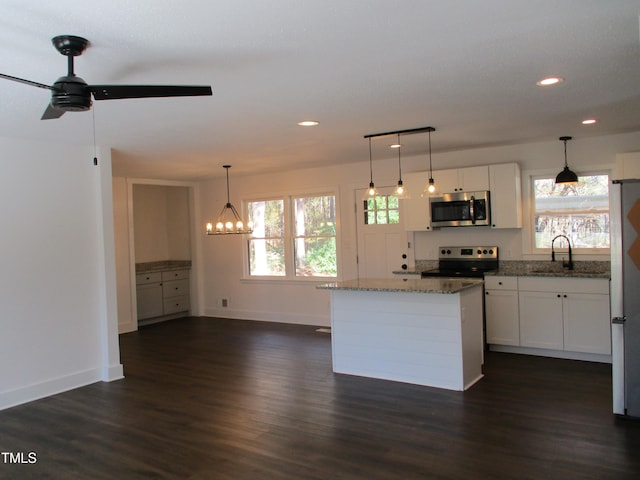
[224, 302]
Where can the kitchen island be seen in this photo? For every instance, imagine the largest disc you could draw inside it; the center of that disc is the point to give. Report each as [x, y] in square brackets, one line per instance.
[421, 331]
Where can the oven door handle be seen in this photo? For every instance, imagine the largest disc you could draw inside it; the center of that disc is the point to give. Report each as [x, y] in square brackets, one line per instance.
[472, 209]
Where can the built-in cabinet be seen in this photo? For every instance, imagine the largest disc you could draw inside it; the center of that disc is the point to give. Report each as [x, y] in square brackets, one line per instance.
[162, 294]
[506, 195]
[549, 313]
[502, 180]
[415, 209]
[468, 179]
[501, 306]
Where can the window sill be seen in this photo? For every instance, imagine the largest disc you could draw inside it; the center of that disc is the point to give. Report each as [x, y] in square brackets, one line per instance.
[288, 280]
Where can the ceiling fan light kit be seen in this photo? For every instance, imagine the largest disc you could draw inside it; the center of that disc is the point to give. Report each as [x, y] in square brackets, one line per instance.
[71, 93]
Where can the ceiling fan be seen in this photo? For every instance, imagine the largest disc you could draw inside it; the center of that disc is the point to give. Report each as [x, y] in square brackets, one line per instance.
[72, 94]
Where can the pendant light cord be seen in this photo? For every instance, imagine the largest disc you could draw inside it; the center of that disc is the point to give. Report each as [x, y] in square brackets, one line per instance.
[399, 162]
[370, 162]
[430, 170]
[227, 167]
[95, 154]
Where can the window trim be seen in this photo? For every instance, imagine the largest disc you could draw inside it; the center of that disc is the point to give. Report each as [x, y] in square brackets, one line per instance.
[290, 276]
[529, 251]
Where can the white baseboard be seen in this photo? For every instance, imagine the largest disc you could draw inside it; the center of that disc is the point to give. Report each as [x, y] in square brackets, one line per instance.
[540, 352]
[277, 317]
[49, 387]
[112, 373]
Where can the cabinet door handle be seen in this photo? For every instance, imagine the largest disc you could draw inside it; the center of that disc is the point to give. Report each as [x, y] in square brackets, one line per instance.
[499, 283]
[565, 296]
[558, 295]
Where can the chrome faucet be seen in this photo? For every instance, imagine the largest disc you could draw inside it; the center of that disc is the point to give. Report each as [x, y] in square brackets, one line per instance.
[569, 264]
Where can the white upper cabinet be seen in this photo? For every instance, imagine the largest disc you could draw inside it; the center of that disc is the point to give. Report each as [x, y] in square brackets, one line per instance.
[506, 195]
[627, 166]
[469, 179]
[502, 180]
[415, 208]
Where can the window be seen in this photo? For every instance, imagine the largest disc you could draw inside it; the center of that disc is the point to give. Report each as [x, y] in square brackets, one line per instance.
[381, 210]
[293, 237]
[579, 211]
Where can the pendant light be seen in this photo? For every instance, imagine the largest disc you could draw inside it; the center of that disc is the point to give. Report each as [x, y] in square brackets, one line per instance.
[431, 186]
[400, 191]
[372, 192]
[566, 175]
[228, 220]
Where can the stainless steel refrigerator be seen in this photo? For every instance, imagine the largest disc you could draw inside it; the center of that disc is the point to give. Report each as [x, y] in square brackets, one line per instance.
[625, 296]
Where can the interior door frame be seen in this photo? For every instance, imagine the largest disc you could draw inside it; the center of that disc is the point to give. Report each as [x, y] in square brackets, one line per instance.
[195, 245]
[358, 190]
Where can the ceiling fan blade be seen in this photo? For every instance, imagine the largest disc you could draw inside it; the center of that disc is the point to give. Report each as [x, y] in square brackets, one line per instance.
[51, 113]
[112, 92]
[26, 82]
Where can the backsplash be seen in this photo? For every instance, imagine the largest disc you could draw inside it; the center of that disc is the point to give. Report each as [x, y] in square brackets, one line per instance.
[513, 267]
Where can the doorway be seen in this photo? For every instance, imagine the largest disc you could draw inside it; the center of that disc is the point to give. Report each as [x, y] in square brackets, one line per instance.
[382, 239]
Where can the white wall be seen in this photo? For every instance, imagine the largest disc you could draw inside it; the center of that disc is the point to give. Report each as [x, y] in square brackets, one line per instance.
[161, 223]
[57, 282]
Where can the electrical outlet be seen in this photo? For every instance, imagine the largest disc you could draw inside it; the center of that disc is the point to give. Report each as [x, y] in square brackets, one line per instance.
[224, 302]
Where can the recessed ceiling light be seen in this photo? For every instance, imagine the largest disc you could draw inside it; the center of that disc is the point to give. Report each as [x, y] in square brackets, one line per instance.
[308, 123]
[545, 82]
[395, 145]
[589, 121]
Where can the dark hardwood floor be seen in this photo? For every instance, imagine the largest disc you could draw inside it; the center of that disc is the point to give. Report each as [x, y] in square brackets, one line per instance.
[227, 399]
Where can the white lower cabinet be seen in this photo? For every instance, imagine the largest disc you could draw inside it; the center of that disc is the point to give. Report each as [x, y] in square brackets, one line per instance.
[586, 323]
[162, 293]
[565, 314]
[501, 307]
[551, 313]
[541, 320]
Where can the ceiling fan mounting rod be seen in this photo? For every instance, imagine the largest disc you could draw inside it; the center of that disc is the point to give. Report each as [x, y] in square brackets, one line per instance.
[70, 46]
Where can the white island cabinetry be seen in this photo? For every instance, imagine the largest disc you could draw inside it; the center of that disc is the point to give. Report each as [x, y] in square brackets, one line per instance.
[420, 331]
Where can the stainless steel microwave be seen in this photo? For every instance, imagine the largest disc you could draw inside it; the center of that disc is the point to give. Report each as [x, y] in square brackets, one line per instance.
[460, 209]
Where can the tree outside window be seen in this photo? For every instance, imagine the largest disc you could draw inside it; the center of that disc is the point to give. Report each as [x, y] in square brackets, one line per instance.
[293, 236]
[579, 211]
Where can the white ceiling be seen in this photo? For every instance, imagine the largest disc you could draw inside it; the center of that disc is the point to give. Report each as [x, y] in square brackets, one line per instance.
[467, 67]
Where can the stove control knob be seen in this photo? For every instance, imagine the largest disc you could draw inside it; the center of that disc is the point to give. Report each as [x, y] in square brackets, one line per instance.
[448, 252]
[479, 251]
[491, 251]
[443, 251]
[484, 251]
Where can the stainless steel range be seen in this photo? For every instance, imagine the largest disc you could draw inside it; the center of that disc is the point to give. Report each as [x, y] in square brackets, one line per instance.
[464, 262]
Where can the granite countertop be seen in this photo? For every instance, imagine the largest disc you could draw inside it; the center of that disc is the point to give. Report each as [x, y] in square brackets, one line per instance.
[162, 266]
[582, 269]
[413, 285]
[535, 268]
